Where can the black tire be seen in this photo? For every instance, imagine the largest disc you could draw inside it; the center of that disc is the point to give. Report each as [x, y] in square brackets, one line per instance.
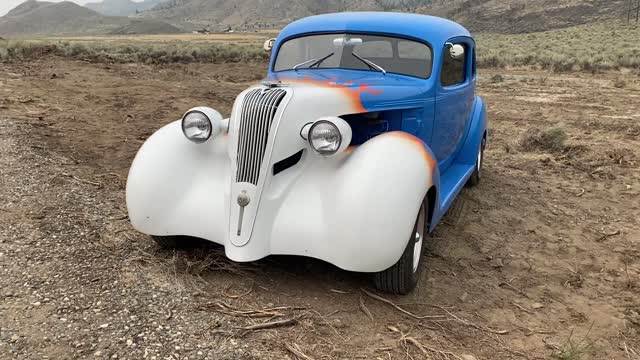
[475, 177]
[403, 277]
[174, 242]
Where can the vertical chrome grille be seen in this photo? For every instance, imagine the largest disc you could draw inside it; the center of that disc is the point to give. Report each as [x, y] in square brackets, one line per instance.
[258, 111]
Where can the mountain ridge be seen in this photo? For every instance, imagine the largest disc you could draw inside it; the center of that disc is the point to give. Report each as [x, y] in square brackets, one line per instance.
[121, 7]
[500, 16]
[36, 18]
[511, 16]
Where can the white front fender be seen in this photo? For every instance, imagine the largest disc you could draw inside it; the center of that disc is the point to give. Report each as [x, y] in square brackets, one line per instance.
[176, 187]
[356, 210]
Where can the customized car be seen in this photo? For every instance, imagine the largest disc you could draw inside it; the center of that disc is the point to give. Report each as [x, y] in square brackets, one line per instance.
[364, 131]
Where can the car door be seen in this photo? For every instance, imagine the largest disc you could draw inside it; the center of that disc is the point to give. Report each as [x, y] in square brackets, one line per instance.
[454, 100]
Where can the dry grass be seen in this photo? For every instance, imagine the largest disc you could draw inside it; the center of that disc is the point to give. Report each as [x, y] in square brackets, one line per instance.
[588, 47]
[132, 51]
[549, 140]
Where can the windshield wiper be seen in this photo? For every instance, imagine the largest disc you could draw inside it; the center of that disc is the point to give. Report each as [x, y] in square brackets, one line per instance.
[370, 64]
[313, 62]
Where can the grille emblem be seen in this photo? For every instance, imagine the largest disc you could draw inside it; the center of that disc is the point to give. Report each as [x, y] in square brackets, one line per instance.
[243, 201]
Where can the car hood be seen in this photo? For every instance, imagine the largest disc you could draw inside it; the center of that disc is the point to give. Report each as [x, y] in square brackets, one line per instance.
[363, 91]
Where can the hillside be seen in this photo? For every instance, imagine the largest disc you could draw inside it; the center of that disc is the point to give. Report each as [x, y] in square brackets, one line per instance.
[513, 16]
[38, 18]
[45, 18]
[145, 27]
[121, 7]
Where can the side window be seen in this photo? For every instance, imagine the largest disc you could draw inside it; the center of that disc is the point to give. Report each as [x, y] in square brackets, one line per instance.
[454, 70]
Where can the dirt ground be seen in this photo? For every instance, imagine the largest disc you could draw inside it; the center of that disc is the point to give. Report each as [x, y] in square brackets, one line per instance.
[541, 260]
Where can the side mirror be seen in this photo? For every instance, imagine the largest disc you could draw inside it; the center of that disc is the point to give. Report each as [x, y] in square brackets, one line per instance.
[456, 51]
[268, 45]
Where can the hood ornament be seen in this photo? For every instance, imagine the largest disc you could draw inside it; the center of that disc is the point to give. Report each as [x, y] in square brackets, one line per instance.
[271, 84]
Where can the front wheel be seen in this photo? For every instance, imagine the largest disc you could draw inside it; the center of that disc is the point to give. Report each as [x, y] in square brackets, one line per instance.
[403, 277]
[175, 242]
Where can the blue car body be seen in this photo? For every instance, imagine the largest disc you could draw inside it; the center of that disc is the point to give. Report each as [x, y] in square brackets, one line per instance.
[451, 121]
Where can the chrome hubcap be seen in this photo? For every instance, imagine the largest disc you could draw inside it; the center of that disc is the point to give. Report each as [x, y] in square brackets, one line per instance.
[479, 163]
[418, 238]
[416, 251]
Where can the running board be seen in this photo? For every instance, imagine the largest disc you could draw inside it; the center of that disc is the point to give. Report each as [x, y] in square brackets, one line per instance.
[451, 183]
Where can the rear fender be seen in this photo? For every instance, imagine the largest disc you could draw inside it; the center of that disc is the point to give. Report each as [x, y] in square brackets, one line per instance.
[477, 129]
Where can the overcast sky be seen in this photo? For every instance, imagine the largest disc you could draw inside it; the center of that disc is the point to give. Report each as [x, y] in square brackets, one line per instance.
[6, 5]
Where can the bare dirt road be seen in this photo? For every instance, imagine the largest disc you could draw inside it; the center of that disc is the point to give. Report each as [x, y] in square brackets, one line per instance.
[543, 257]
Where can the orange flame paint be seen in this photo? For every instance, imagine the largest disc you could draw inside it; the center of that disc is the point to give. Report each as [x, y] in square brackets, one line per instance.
[431, 162]
[350, 91]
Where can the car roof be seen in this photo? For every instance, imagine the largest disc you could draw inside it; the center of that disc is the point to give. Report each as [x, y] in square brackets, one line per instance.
[434, 30]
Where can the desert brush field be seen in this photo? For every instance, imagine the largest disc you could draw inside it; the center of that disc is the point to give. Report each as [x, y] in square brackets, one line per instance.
[540, 261]
[596, 47]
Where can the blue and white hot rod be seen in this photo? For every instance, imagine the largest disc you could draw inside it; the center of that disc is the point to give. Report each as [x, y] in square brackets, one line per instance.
[351, 150]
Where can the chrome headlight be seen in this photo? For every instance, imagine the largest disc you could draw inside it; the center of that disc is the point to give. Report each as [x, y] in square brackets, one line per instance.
[328, 136]
[201, 123]
[196, 126]
[325, 138]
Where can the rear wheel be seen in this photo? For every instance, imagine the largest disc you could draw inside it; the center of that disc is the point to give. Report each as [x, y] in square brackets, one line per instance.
[403, 277]
[475, 177]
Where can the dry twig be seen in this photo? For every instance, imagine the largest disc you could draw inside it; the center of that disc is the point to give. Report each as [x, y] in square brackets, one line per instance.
[270, 325]
[364, 308]
[327, 322]
[338, 291]
[507, 284]
[424, 349]
[406, 312]
[225, 292]
[295, 350]
[606, 236]
[227, 309]
[522, 308]
[473, 325]
[118, 218]
[81, 180]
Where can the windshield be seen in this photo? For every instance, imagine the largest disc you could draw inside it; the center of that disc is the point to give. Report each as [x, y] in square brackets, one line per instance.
[356, 52]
